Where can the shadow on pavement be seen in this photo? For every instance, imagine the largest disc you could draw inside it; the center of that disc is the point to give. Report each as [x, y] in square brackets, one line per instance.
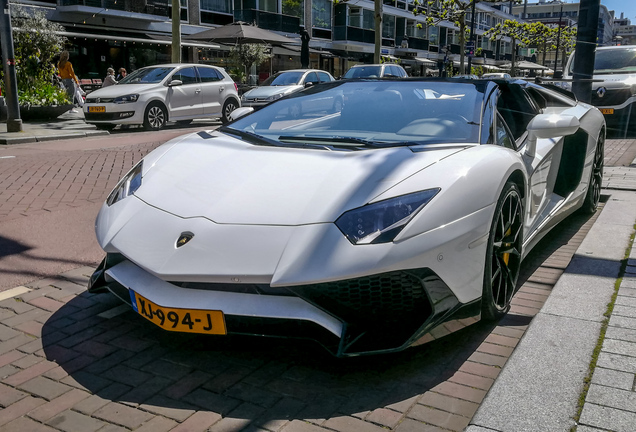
[11, 247]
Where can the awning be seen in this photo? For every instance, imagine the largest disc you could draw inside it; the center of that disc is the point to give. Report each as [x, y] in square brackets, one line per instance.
[523, 64]
[156, 40]
[425, 61]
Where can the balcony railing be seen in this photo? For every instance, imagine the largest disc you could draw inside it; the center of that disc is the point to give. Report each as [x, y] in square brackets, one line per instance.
[151, 7]
[354, 34]
[269, 20]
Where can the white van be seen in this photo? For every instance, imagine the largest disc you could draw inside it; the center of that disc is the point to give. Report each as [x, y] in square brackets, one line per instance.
[616, 95]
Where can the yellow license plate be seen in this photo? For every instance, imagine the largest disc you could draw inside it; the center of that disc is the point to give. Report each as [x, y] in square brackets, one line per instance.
[607, 110]
[97, 109]
[180, 320]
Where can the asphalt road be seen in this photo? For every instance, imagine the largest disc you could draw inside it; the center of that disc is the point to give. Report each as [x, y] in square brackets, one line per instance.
[50, 194]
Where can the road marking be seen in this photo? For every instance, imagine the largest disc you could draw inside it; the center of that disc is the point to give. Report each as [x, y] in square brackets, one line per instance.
[6, 157]
[13, 292]
[112, 313]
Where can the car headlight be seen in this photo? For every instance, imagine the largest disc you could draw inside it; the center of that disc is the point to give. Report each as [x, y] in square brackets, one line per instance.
[127, 185]
[382, 221]
[126, 99]
[275, 97]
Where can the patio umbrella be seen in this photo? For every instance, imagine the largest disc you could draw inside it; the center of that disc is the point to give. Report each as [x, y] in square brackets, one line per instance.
[239, 32]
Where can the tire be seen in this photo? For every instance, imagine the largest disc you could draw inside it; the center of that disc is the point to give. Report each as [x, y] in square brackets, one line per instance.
[105, 126]
[229, 106]
[596, 178]
[184, 122]
[503, 254]
[155, 117]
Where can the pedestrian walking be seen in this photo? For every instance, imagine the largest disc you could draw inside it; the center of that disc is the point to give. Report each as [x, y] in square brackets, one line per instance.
[69, 79]
[110, 78]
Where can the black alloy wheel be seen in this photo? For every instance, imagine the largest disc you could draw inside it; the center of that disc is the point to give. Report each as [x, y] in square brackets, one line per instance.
[229, 106]
[155, 117]
[503, 254]
[596, 178]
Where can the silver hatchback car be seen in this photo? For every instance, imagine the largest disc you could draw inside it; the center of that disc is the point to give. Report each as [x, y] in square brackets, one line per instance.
[154, 95]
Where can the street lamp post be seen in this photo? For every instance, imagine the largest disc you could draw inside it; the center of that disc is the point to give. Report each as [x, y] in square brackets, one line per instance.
[556, 54]
[14, 123]
[472, 38]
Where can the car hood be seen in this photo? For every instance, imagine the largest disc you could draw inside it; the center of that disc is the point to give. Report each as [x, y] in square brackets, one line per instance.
[614, 81]
[232, 182]
[266, 91]
[121, 90]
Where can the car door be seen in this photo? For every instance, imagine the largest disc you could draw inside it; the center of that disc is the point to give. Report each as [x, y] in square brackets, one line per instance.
[213, 90]
[184, 101]
[517, 109]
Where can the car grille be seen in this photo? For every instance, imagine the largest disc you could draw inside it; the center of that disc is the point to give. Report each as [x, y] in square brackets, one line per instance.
[611, 97]
[99, 100]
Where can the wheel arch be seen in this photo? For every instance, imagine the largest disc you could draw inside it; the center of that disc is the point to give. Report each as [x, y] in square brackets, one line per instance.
[157, 101]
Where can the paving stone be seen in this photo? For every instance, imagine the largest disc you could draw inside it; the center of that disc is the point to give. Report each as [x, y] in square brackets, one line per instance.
[448, 403]
[113, 360]
[58, 405]
[13, 343]
[280, 414]
[122, 415]
[624, 311]
[252, 394]
[460, 391]
[93, 403]
[7, 333]
[44, 387]
[384, 417]
[613, 378]
[187, 384]
[347, 424]
[616, 362]
[148, 389]
[612, 397]
[439, 418]
[199, 421]
[18, 409]
[619, 347]
[9, 395]
[409, 425]
[157, 424]
[175, 410]
[301, 426]
[71, 421]
[607, 418]
[167, 369]
[24, 424]
[29, 373]
[126, 375]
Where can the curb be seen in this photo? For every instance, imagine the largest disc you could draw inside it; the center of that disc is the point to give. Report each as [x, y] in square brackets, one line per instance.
[41, 138]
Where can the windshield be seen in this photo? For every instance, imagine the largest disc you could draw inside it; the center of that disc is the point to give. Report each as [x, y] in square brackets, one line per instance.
[364, 72]
[150, 75]
[354, 114]
[610, 61]
[283, 79]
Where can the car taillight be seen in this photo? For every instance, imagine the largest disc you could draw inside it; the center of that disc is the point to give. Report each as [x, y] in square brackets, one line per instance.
[236, 87]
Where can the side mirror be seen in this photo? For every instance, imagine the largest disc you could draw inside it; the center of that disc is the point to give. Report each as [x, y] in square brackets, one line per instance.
[557, 75]
[309, 84]
[240, 112]
[550, 126]
[175, 83]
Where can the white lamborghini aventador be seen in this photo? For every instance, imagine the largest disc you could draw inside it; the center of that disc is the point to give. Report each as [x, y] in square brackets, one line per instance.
[366, 229]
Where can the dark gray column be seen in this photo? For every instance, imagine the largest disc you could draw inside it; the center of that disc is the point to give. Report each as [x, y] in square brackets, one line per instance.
[585, 49]
[14, 123]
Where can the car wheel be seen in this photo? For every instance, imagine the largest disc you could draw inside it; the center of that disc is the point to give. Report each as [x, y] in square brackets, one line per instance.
[155, 117]
[184, 122]
[229, 106]
[503, 254]
[596, 178]
[105, 126]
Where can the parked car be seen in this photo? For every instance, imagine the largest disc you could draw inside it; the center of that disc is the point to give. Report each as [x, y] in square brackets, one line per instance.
[376, 71]
[496, 75]
[616, 95]
[282, 84]
[368, 230]
[157, 94]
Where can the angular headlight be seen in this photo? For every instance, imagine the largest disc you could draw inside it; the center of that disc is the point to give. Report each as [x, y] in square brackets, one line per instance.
[127, 185]
[126, 99]
[275, 97]
[380, 222]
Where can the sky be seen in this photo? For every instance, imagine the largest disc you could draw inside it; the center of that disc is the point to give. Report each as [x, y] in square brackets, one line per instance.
[626, 6]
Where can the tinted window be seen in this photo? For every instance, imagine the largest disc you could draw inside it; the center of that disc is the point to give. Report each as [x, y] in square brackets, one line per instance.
[209, 74]
[311, 77]
[324, 77]
[283, 79]
[515, 108]
[186, 75]
[364, 72]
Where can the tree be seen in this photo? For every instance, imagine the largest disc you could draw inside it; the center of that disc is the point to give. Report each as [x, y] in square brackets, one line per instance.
[36, 41]
[516, 31]
[543, 37]
[453, 11]
[249, 54]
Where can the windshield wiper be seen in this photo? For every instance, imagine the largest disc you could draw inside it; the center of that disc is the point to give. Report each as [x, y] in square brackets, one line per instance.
[250, 137]
[347, 142]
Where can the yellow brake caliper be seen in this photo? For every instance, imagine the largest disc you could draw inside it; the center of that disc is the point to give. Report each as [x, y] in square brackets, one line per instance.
[506, 256]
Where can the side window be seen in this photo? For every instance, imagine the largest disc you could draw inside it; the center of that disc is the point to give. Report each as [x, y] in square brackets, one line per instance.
[311, 77]
[324, 77]
[208, 74]
[502, 136]
[186, 75]
[515, 108]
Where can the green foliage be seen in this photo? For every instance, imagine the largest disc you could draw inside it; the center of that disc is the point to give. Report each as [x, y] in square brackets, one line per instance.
[45, 94]
[293, 8]
[35, 43]
[477, 70]
[248, 54]
[237, 75]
